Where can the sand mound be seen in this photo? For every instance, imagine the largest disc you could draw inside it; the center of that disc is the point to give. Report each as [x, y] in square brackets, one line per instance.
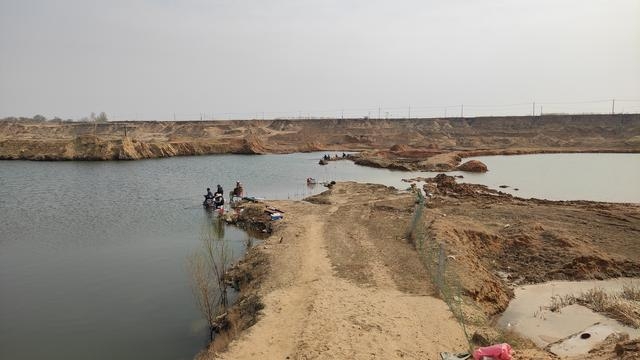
[473, 166]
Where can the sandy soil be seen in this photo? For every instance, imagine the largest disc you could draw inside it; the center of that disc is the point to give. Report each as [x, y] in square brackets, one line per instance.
[344, 282]
[500, 240]
[339, 289]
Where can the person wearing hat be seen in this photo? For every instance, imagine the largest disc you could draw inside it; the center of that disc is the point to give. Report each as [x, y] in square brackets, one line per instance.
[207, 197]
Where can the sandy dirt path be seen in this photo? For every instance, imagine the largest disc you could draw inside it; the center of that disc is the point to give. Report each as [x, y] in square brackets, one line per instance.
[312, 312]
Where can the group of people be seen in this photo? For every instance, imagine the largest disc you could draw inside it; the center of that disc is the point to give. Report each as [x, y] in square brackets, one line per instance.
[328, 157]
[216, 199]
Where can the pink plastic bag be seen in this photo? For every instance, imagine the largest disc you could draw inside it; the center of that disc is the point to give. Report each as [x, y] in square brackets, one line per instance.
[498, 352]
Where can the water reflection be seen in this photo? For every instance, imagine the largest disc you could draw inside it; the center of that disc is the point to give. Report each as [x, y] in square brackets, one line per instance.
[216, 226]
[208, 266]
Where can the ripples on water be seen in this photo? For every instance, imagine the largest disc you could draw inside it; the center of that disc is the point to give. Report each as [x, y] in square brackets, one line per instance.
[92, 254]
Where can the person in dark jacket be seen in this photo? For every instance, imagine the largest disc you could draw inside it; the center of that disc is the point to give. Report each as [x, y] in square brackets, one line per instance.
[209, 194]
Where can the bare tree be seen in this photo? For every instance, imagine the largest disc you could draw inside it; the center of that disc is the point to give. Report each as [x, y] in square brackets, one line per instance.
[202, 288]
[208, 267]
[102, 118]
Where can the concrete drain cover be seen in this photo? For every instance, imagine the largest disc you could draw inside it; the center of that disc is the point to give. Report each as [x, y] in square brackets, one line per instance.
[583, 341]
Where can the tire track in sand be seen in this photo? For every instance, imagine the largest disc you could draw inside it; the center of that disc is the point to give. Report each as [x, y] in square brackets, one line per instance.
[313, 314]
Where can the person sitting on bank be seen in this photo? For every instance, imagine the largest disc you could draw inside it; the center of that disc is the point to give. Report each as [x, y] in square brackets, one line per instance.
[219, 190]
[238, 190]
[218, 201]
[209, 194]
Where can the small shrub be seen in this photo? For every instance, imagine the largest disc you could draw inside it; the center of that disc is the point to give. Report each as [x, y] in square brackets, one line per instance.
[623, 306]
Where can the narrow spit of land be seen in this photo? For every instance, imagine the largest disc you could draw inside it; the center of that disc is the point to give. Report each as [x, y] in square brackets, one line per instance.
[339, 288]
[343, 282]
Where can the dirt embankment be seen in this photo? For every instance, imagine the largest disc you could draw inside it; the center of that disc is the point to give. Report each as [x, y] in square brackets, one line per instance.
[124, 141]
[343, 283]
[420, 144]
[339, 278]
[497, 239]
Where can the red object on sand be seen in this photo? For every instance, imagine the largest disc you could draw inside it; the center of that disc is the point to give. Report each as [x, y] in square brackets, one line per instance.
[499, 352]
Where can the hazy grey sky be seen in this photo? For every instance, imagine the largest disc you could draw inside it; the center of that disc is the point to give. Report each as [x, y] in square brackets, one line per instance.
[147, 59]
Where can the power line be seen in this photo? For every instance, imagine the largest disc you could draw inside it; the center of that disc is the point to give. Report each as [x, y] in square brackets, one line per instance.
[410, 111]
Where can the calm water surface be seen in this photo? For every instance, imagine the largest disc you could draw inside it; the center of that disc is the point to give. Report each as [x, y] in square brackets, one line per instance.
[596, 177]
[93, 254]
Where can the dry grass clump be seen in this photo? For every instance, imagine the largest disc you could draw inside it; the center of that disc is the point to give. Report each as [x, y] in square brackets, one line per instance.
[631, 293]
[623, 306]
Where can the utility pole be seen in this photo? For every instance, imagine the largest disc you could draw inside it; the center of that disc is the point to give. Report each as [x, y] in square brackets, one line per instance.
[540, 110]
[533, 113]
[342, 116]
[613, 106]
[462, 110]
[409, 111]
[378, 112]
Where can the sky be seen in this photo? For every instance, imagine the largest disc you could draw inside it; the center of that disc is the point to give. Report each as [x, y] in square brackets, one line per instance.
[192, 59]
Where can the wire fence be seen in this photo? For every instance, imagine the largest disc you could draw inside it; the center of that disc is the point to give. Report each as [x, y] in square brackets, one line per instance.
[533, 108]
[595, 107]
[434, 257]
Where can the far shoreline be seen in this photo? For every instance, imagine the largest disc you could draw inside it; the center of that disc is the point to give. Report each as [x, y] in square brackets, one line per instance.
[396, 143]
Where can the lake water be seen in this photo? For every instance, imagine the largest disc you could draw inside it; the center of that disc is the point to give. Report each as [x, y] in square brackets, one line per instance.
[596, 177]
[93, 254]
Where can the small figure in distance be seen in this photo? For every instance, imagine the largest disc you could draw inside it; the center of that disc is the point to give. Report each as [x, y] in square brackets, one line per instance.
[208, 198]
[238, 190]
[209, 194]
[219, 190]
[218, 201]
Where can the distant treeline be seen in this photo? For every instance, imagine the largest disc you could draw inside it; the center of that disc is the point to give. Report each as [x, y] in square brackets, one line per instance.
[100, 118]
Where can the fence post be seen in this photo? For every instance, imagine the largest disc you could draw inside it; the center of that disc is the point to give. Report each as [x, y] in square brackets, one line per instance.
[441, 268]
